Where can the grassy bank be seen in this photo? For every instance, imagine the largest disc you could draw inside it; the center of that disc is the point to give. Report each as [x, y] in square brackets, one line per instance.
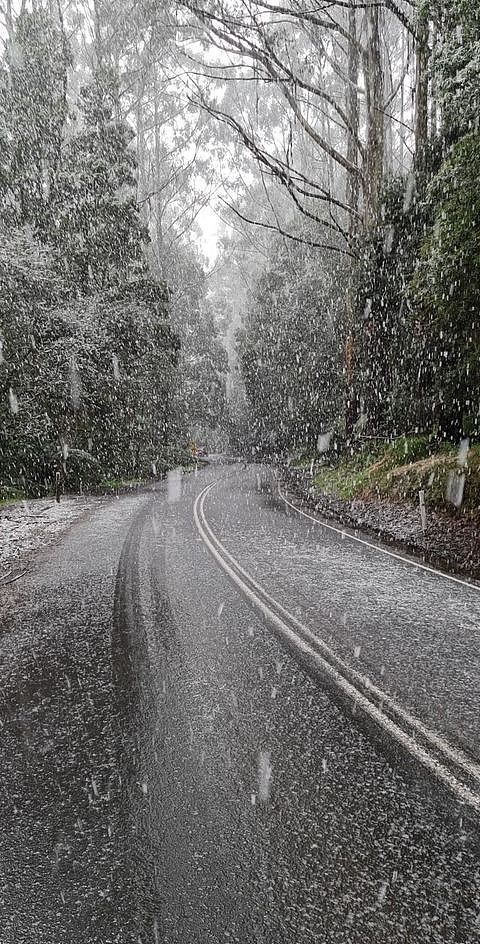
[9, 495]
[398, 471]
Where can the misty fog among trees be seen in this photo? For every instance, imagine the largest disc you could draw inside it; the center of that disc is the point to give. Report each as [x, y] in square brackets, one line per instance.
[245, 224]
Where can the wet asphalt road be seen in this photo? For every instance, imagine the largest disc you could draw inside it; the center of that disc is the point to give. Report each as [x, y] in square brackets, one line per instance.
[169, 773]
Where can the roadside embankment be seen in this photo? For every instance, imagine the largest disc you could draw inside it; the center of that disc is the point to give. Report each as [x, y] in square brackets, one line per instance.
[381, 490]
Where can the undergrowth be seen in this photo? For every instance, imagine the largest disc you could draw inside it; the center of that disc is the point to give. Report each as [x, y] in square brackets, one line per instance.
[399, 470]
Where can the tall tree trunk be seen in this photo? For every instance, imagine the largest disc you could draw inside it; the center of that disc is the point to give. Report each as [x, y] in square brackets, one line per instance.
[9, 21]
[97, 36]
[352, 187]
[352, 195]
[421, 89]
[374, 96]
[141, 159]
[433, 90]
[401, 156]
[389, 98]
[159, 253]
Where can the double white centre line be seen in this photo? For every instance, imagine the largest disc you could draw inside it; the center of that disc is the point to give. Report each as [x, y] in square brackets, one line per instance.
[447, 764]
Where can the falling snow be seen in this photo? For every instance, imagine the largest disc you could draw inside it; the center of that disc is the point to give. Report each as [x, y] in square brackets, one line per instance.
[239, 249]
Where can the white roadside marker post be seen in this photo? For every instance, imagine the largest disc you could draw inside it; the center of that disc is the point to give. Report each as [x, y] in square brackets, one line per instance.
[423, 509]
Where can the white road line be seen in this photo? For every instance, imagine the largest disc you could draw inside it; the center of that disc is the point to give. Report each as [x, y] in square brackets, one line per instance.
[375, 547]
[309, 645]
[454, 755]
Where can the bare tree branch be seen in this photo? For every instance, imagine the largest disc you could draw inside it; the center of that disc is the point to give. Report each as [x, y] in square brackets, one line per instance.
[298, 239]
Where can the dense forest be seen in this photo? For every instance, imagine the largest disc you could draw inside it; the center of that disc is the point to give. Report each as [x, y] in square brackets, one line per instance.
[369, 324]
[110, 355]
[334, 152]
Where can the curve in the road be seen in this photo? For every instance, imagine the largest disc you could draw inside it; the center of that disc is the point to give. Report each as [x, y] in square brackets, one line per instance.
[448, 765]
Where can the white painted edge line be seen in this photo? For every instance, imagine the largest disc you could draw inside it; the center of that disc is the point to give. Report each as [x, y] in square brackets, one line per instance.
[453, 754]
[346, 535]
[462, 792]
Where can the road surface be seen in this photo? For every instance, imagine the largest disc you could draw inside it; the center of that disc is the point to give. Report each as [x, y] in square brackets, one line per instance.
[225, 722]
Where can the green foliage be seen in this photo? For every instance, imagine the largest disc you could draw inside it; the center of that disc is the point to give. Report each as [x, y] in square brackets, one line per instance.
[137, 358]
[290, 352]
[346, 480]
[88, 354]
[390, 347]
[407, 449]
[457, 65]
[96, 228]
[446, 291]
[398, 471]
[9, 495]
[28, 290]
[200, 394]
[33, 107]
[91, 386]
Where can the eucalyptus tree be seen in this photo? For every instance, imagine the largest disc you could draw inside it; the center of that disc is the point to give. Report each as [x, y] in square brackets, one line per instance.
[320, 98]
[327, 68]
